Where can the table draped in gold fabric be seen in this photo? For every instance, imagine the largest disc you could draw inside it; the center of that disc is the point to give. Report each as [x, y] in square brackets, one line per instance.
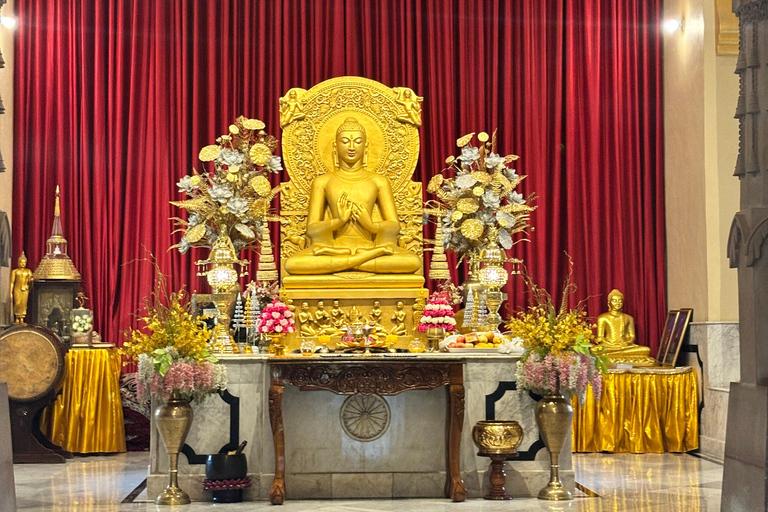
[87, 417]
[640, 411]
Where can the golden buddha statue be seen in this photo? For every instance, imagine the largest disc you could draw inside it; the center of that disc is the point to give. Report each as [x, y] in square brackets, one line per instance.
[616, 335]
[21, 282]
[351, 215]
[348, 238]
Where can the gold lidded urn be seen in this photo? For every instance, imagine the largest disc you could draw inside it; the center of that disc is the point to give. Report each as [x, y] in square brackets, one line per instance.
[497, 440]
[173, 420]
[553, 417]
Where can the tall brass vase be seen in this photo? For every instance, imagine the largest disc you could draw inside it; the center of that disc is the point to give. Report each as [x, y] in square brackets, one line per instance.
[553, 417]
[173, 420]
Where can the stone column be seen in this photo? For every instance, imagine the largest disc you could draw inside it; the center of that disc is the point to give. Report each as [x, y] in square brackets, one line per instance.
[745, 475]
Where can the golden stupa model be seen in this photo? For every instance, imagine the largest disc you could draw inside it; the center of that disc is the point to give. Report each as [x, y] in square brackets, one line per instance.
[56, 263]
[352, 215]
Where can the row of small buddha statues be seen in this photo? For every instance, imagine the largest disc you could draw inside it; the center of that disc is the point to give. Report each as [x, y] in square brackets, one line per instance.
[332, 321]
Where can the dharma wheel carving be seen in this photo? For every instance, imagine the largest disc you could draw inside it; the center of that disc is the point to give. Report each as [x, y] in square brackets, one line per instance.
[365, 417]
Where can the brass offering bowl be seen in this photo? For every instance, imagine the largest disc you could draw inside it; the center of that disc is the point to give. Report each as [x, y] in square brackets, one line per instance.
[497, 437]
[497, 440]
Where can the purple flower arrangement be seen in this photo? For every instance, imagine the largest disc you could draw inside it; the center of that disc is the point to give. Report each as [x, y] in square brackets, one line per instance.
[164, 372]
[568, 373]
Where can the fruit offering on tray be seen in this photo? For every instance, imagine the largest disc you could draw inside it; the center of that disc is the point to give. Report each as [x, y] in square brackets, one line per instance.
[477, 340]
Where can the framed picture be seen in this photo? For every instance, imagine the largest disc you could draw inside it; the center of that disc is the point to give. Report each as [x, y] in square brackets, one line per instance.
[678, 333]
[666, 335]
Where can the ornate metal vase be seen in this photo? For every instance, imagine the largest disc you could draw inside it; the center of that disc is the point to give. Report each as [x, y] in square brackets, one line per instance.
[553, 417]
[173, 420]
[277, 346]
[434, 336]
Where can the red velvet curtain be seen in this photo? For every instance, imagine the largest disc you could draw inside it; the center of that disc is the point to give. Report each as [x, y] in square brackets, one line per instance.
[114, 98]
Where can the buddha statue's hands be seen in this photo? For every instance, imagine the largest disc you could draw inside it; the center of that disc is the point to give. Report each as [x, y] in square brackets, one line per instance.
[363, 217]
[345, 207]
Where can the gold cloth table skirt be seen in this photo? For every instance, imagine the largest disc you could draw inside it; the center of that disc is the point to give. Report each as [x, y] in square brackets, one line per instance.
[87, 417]
[649, 410]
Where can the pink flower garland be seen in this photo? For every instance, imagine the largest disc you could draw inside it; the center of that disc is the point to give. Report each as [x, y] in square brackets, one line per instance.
[276, 318]
[438, 313]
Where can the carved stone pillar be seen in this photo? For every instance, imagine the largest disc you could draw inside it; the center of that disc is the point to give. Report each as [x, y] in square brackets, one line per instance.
[745, 475]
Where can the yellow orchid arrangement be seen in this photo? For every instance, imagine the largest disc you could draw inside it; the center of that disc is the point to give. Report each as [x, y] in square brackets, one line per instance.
[557, 343]
[169, 323]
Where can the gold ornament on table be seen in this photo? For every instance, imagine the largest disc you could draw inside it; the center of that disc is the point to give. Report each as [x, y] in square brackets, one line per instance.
[56, 263]
[219, 270]
[616, 335]
[267, 270]
[228, 209]
[21, 283]
[398, 321]
[438, 265]
[481, 199]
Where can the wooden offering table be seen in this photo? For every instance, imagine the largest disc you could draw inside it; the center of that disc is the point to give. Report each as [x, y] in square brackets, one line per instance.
[350, 375]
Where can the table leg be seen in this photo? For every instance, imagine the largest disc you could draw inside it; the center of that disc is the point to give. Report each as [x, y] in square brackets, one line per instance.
[457, 491]
[277, 491]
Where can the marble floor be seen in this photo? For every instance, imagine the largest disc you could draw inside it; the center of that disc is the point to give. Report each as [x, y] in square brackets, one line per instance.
[622, 482]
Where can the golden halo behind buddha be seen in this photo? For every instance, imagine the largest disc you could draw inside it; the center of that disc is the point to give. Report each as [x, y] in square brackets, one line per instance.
[326, 137]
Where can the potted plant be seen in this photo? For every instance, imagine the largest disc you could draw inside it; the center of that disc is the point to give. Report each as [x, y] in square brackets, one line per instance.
[556, 361]
[175, 368]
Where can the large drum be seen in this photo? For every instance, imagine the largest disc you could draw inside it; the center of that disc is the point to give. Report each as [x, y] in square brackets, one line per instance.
[32, 364]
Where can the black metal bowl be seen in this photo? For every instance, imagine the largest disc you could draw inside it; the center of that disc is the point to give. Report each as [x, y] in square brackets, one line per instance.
[221, 466]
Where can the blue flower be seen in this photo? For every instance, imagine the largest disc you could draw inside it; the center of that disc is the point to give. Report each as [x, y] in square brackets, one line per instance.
[220, 193]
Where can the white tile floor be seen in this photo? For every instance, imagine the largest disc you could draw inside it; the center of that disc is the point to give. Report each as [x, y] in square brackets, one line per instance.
[624, 483]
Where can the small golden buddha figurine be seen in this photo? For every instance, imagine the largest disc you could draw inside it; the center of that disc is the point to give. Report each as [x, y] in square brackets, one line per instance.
[354, 315]
[398, 319]
[616, 335]
[374, 318]
[306, 320]
[21, 282]
[323, 320]
[337, 315]
[340, 226]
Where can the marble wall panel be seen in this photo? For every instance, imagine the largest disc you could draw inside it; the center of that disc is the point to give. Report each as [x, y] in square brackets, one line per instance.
[361, 485]
[718, 345]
